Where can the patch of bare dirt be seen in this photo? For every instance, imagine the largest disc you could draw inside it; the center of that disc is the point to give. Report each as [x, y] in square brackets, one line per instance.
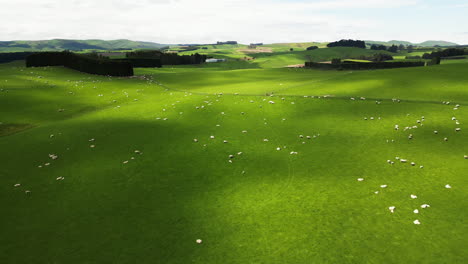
[257, 50]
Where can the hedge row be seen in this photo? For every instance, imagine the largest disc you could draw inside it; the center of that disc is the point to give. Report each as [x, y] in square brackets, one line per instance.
[167, 58]
[81, 63]
[12, 56]
[364, 66]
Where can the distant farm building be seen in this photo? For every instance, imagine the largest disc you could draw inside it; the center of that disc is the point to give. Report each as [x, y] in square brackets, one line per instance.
[214, 60]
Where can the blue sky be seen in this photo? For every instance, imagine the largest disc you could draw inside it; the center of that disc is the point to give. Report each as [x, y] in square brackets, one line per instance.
[206, 21]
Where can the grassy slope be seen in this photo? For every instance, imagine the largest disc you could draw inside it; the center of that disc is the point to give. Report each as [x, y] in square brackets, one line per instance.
[281, 56]
[284, 209]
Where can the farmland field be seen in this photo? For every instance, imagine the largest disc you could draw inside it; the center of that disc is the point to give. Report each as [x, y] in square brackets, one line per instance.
[263, 164]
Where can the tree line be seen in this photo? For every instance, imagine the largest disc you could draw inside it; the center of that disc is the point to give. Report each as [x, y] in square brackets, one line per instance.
[79, 62]
[167, 58]
[348, 43]
[445, 53]
[12, 56]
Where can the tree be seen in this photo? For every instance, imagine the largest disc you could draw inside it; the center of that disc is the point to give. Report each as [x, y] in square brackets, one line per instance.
[347, 43]
[393, 48]
[410, 48]
[291, 49]
[312, 48]
[335, 61]
[379, 57]
[401, 47]
[378, 47]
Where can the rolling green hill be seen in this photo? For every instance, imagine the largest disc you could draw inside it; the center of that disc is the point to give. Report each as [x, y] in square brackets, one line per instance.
[74, 45]
[263, 165]
[428, 43]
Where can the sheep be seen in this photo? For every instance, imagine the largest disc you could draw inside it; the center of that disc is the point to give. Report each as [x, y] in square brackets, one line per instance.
[195, 140]
[403, 160]
[465, 156]
[425, 206]
[278, 148]
[413, 196]
[457, 129]
[448, 186]
[360, 179]
[416, 211]
[416, 222]
[445, 139]
[17, 185]
[412, 163]
[392, 209]
[92, 146]
[397, 127]
[293, 153]
[436, 132]
[383, 186]
[199, 241]
[212, 137]
[231, 156]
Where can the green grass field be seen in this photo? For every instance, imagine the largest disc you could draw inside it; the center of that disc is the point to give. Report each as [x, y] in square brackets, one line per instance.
[137, 188]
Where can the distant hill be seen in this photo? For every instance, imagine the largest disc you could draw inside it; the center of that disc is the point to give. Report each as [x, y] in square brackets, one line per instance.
[68, 44]
[429, 43]
[432, 43]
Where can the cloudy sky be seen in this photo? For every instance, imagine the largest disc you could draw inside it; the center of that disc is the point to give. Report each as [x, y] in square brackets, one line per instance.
[206, 21]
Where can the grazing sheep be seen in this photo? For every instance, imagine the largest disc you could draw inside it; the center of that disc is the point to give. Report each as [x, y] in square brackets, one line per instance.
[212, 137]
[413, 196]
[392, 209]
[403, 160]
[17, 185]
[457, 129]
[360, 179]
[225, 141]
[383, 186]
[416, 211]
[436, 132]
[412, 163]
[425, 206]
[416, 222]
[448, 186]
[195, 140]
[199, 241]
[293, 153]
[445, 139]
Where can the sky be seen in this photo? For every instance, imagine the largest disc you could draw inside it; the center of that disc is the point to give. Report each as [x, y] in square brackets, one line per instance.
[246, 21]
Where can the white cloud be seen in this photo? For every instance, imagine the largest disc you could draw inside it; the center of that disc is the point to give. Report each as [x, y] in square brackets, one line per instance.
[190, 21]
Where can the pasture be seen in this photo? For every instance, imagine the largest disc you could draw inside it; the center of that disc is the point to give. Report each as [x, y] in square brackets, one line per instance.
[263, 164]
